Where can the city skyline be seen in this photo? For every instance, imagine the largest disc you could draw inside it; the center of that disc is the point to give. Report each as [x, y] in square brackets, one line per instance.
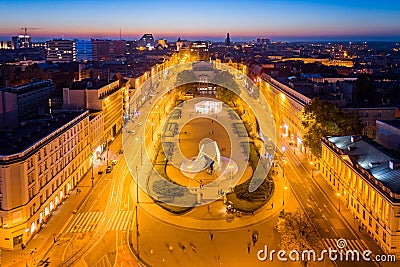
[292, 20]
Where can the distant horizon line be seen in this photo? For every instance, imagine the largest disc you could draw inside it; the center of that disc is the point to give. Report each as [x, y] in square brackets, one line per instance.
[338, 38]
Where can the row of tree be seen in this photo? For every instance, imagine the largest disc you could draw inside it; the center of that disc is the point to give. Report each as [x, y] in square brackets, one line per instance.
[321, 118]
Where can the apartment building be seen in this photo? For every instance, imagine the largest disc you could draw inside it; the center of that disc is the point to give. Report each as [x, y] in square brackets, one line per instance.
[364, 176]
[40, 164]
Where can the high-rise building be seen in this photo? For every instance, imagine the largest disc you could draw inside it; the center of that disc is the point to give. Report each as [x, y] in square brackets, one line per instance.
[263, 41]
[22, 102]
[83, 50]
[119, 48]
[5, 45]
[147, 41]
[40, 163]
[102, 50]
[62, 51]
[21, 41]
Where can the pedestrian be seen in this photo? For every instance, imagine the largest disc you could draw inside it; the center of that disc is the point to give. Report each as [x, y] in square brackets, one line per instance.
[272, 205]
[194, 249]
[211, 236]
[248, 247]
[208, 208]
[212, 132]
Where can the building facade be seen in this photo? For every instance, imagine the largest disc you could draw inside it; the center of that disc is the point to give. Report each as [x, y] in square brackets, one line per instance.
[388, 134]
[365, 178]
[39, 166]
[370, 115]
[287, 106]
[100, 96]
[62, 51]
[21, 102]
[21, 41]
[83, 50]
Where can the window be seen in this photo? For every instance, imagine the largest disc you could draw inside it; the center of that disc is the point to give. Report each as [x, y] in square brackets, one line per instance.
[384, 237]
[364, 214]
[370, 221]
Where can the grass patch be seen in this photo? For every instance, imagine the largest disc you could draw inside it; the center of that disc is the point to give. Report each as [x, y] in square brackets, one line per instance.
[164, 192]
[170, 129]
[246, 201]
[175, 114]
[233, 115]
[240, 129]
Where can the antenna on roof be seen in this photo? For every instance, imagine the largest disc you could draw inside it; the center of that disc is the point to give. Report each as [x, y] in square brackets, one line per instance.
[120, 34]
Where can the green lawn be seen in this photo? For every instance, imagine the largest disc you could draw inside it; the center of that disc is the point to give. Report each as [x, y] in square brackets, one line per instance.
[246, 201]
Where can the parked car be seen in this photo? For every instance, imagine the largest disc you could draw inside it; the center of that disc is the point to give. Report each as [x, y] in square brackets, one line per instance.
[114, 162]
[109, 169]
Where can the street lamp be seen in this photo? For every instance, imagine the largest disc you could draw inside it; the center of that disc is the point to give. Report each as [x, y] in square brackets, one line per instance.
[92, 170]
[108, 148]
[283, 195]
[136, 217]
[283, 168]
[312, 168]
[338, 195]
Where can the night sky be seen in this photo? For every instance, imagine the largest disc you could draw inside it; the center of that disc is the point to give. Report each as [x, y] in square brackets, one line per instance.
[203, 19]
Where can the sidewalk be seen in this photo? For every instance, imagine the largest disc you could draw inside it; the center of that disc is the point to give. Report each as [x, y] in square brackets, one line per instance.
[49, 234]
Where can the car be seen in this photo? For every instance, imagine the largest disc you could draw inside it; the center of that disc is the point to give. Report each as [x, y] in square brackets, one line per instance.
[131, 131]
[114, 162]
[109, 169]
[140, 123]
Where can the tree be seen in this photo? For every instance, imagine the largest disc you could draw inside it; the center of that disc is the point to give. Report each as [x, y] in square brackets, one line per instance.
[322, 118]
[298, 233]
[184, 77]
[229, 90]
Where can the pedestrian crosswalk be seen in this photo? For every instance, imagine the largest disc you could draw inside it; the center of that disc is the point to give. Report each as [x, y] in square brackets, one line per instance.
[87, 221]
[342, 244]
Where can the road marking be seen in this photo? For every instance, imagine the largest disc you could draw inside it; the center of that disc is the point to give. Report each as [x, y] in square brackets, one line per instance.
[334, 231]
[352, 244]
[88, 221]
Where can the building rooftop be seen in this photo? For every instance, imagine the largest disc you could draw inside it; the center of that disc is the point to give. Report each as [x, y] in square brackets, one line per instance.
[90, 84]
[371, 157]
[27, 87]
[33, 130]
[393, 123]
